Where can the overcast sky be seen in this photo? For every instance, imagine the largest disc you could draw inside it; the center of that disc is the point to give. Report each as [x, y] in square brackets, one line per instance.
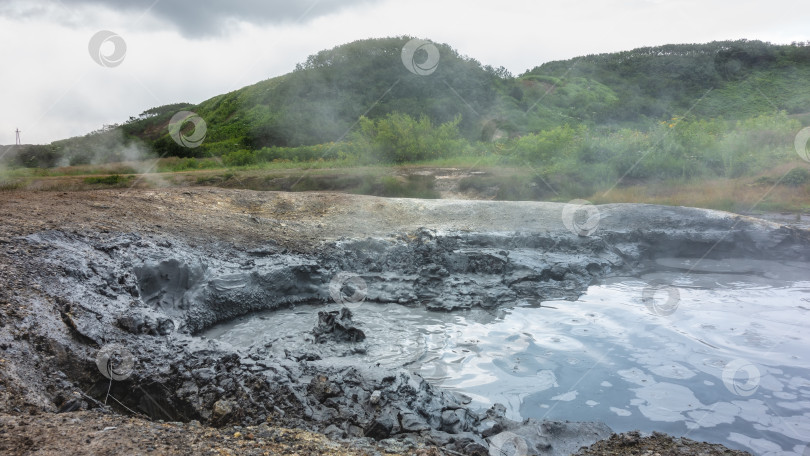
[191, 50]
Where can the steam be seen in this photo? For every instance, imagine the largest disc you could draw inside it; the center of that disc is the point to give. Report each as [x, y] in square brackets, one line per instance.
[105, 146]
[101, 148]
[5, 151]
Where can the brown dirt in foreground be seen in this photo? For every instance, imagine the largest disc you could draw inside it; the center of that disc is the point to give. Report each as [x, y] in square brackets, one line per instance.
[631, 443]
[94, 433]
[98, 434]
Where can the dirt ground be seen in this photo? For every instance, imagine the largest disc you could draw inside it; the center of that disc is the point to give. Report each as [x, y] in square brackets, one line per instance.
[99, 434]
[302, 219]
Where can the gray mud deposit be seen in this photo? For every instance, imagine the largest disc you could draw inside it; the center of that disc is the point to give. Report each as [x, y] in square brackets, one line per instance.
[155, 294]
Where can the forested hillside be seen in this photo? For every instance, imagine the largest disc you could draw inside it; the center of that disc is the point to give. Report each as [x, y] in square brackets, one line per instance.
[722, 108]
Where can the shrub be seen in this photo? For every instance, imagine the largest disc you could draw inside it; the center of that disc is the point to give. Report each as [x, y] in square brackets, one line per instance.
[399, 138]
[547, 146]
[115, 179]
[239, 158]
[796, 177]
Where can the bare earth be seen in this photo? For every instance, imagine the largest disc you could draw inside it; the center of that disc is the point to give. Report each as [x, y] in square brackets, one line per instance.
[292, 219]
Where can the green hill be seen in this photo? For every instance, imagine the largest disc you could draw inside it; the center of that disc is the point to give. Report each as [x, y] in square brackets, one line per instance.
[738, 79]
[322, 99]
[360, 93]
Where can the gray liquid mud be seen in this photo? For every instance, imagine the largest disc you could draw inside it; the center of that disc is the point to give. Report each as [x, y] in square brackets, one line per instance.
[724, 358]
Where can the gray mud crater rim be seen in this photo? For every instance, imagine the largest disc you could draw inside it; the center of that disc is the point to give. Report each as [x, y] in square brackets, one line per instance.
[155, 295]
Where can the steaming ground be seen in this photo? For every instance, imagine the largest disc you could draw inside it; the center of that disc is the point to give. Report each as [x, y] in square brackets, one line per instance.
[150, 268]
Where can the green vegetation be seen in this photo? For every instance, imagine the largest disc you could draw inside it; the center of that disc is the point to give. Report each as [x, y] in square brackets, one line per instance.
[363, 181]
[399, 138]
[797, 177]
[13, 185]
[113, 180]
[668, 116]
[175, 164]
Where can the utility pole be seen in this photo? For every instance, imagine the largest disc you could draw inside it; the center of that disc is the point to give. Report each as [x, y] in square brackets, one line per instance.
[18, 136]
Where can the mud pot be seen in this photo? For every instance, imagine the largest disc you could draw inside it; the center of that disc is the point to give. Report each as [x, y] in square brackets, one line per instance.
[478, 327]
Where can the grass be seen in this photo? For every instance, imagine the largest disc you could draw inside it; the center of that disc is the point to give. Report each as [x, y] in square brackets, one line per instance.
[734, 195]
[11, 185]
[492, 180]
[412, 186]
[519, 186]
[81, 170]
[746, 194]
[112, 180]
[177, 164]
[364, 181]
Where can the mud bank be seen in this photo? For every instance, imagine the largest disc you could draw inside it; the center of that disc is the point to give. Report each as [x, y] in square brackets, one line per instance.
[142, 285]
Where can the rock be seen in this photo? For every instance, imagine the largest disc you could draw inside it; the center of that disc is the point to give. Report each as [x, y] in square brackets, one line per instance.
[321, 388]
[72, 406]
[165, 326]
[450, 422]
[489, 427]
[139, 323]
[375, 397]
[188, 389]
[337, 326]
[439, 438]
[553, 437]
[204, 375]
[380, 428]
[222, 409]
[508, 443]
[354, 431]
[497, 411]
[412, 422]
[475, 449]
[334, 432]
